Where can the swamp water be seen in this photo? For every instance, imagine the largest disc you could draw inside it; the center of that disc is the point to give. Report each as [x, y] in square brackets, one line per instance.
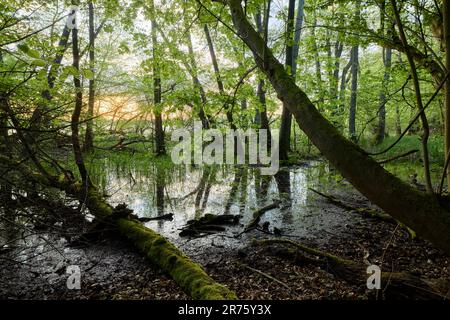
[156, 189]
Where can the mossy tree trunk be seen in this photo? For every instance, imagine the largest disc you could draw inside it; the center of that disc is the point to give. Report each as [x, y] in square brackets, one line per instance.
[426, 214]
[189, 275]
[395, 285]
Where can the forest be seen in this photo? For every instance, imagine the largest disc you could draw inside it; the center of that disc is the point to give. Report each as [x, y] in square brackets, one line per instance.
[224, 149]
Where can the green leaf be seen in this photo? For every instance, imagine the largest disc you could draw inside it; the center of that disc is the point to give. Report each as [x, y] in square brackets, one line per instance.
[23, 47]
[88, 74]
[42, 74]
[72, 71]
[34, 54]
[39, 63]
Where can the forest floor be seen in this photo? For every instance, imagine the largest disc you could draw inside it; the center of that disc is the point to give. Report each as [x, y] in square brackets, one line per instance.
[112, 269]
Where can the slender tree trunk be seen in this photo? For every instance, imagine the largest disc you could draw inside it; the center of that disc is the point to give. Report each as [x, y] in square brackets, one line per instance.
[387, 61]
[77, 112]
[343, 87]
[63, 44]
[446, 18]
[89, 138]
[381, 129]
[334, 84]
[206, 120]
[423, 116]
[354, 93]
[318, 66]
[398, 123]
[5, 149]
[261, 116]
[297, 34]
[286, 116]
[157, 93]
[220, 85]
[426, 214]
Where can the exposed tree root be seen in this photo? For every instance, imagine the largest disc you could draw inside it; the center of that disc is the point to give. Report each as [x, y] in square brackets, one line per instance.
[394, 284]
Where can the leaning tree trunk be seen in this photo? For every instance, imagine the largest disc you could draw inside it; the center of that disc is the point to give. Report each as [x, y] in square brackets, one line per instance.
[426, 214]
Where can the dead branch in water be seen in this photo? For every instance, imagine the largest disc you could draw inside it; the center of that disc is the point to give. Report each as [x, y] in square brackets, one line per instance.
[253, 224]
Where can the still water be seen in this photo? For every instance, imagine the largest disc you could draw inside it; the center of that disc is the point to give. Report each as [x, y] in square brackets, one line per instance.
[155, 189]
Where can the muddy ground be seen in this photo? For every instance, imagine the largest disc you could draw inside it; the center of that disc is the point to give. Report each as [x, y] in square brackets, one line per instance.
[113, 269]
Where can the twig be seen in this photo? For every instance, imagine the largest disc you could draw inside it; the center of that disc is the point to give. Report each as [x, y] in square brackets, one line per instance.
[268, 276]
[398, 156]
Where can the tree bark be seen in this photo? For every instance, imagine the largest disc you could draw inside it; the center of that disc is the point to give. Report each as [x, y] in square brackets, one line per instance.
[286, 116]
[63, 45]
[297, 34]
[423, 116]
[261, 118]
[387, 61]
[157, 91]
[220, 85]
[354, 93]
[206, 120]
[318, 66]
[77, 112]
[381, 129]
[446, 21]
[428, 215]
[89, 137]
[5, 148]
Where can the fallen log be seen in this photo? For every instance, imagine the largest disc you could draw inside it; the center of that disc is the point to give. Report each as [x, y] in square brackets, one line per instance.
[190, 276]
[394, 284]
[168, 217]
[208, 224]
[372, 213]
[257, 215]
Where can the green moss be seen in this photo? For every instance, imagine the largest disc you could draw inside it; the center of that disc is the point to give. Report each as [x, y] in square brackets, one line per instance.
[189, 275]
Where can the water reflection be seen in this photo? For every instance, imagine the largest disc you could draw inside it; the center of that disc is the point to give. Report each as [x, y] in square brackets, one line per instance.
[153, 190]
